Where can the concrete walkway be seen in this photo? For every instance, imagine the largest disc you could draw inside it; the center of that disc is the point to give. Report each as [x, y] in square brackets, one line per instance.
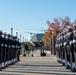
[37, 66]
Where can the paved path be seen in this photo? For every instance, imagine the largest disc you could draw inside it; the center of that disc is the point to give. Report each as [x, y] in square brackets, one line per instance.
[37, 66]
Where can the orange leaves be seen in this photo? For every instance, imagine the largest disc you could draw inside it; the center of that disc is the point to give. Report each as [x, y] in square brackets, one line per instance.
[66, 22]
[57, 26]
[48, 34]
[54, 27]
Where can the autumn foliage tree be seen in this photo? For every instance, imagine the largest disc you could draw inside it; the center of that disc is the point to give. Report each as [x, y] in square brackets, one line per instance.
[48, 34]
[55, 27]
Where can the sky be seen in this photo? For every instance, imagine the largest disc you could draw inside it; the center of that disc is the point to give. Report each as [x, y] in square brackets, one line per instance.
[31, 15]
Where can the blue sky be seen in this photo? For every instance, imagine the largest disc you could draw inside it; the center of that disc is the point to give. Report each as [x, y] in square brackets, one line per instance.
[33, 14]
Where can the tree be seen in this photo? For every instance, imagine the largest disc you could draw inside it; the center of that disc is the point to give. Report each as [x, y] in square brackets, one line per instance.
[55, 27]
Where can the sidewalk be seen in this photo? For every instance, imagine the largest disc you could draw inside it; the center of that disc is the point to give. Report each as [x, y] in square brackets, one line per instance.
[37, 66]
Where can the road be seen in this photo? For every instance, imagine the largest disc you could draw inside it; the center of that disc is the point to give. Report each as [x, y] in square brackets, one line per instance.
[37, 66]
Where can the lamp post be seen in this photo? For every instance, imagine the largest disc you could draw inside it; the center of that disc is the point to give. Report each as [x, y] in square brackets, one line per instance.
[41, 48]
[24, 48]
[23, 38]
[17, 34]
[11, 29]
[20, 37]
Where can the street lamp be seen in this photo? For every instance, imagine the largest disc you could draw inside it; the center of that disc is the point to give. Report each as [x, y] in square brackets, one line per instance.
[23, 39]
[11, 29]
[20, 37]
[17, 34]
[41, 48]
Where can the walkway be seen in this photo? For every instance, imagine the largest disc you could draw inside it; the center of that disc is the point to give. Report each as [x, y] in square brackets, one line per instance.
[37, 66]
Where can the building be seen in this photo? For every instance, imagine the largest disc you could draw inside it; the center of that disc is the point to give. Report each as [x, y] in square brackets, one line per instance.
[37, 37]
